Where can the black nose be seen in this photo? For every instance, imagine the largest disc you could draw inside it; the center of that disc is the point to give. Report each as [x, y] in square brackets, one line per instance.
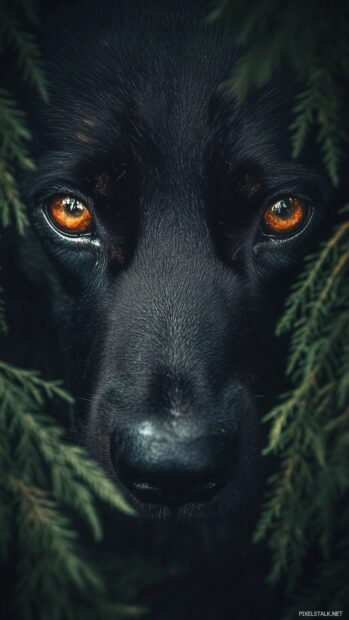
[161, 466]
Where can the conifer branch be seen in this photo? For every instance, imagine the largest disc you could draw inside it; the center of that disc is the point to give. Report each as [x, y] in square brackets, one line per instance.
[14, 34]
[46, 478]
[10, 199]
[306, 506]
[312, 40]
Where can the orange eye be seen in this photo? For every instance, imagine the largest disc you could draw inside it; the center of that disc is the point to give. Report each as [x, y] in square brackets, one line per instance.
[70, 215]
[285, 216]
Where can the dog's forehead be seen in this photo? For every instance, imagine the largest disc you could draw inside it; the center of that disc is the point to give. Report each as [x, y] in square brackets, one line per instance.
[157, 69]
[149, 78]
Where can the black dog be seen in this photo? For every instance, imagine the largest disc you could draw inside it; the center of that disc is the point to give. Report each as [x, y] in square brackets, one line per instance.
[172, 219]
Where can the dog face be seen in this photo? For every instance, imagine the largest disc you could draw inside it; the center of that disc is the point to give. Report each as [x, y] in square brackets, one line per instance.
[172, 219]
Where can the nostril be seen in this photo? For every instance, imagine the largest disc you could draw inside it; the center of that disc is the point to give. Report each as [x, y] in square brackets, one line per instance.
[158, 468]
[147, 492]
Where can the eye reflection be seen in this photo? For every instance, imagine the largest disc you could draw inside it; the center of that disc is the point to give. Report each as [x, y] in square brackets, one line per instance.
[70, 215]
[286, 215]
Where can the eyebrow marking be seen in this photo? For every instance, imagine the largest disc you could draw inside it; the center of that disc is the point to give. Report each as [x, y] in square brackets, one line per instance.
[252, 184]
[89, 121]
[83, 137]
[249, 185]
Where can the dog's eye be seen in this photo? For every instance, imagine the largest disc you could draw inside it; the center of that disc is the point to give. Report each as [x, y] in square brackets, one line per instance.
[70, 215]
[285, 216]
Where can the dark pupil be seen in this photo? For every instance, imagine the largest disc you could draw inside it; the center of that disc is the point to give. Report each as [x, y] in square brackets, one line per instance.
[283, 209]
[73, 207]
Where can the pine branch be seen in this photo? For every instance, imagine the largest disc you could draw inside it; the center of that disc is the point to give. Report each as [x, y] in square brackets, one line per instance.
[14, 133]
[31, 383]
[47, 539]
[314, 267]
[10, 199]
[312, 40]
[46, 478]
[15, 36]
[74, 459]
[310, 427]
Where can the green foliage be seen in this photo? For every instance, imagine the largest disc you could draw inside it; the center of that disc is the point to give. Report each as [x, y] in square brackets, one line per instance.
[320, 101]
[15, 40]
[306, 512]
[49, 484]
[310, 427]
[312, 39]
[15, 34]
[46, 484]
[13, 152]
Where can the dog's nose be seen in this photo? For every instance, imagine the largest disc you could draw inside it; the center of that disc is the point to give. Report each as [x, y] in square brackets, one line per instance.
[159, 466]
